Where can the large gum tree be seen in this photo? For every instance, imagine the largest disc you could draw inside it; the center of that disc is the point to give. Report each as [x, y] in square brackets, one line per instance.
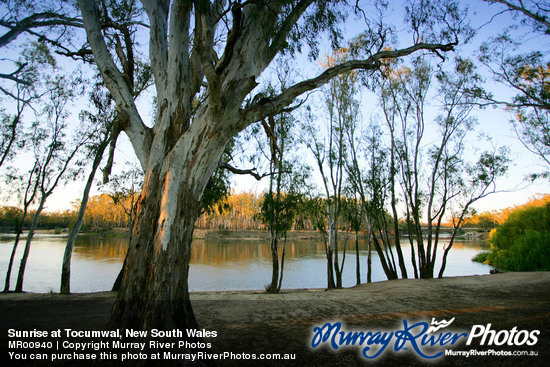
[207, 59]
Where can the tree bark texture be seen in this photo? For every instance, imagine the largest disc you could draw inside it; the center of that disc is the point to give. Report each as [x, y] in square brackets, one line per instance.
[154, 291]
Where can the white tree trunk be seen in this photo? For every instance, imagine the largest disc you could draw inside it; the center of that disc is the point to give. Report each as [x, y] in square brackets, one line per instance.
[154, 291]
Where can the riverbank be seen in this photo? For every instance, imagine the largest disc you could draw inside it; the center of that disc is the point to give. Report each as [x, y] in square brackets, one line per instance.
[256, 322]
[211, 234]
[245, 235]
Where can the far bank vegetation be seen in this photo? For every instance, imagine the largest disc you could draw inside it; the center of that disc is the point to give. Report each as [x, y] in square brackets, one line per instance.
[239, 211]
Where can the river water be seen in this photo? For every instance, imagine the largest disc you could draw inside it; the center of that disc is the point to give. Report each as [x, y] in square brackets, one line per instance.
[215, 264]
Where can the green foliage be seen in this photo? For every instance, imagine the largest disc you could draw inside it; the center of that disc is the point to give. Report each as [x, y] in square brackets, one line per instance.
[522, 243]
[528, 74]
[218, 187]
[10, 217]
[280, 211]
[481, 257]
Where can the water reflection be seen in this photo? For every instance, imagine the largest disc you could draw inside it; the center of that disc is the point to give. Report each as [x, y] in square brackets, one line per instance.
[101, 248]
[215, 265]
[226, 253]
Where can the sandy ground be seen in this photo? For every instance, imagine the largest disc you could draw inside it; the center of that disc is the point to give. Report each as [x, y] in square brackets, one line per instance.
[255, 322]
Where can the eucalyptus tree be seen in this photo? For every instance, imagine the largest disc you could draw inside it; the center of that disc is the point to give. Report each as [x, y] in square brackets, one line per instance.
[526, 73]
[54, 154]
[370, 177]
[436, 179]
[22, 90]
[276, 147]
[287, 183]
[27, 188]
[36, 26]
[103, 118]
[207, 59]
[19, 95]
[353, 220]
[120, 21]
[330, 150]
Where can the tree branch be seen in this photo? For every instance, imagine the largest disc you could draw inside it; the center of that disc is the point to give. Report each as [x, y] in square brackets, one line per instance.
[537, 18]
[272, 106]
[118, 125]
[205, 27]
[45, 19]
[238, 171]
[139, 134]
[232, 38]
[280, 39]
[82, 54]
[157, 12]
[12, 76]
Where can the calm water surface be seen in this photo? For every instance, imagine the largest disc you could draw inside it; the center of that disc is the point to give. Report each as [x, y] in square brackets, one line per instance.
[215, 265]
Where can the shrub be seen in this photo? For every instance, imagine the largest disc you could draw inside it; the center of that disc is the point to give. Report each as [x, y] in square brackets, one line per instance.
[522, 243]
[481, 257]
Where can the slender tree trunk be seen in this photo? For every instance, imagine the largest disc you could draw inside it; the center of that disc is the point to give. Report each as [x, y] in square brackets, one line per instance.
[332, 255]
[330, 269]
[274, 287]
[66, 266]
[451, 242]
[24, 258]
[369, 262]
[390, 272]
[400, 257]
[413, 258]
[340, 268]
[12, 258]
[282, 266]
[328, 253]
[386, 241]
[30, 193]
[357, 260]
[274, 262]
[411, 242]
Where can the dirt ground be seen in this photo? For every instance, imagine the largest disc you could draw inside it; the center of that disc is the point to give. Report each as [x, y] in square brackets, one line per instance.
[255, 322]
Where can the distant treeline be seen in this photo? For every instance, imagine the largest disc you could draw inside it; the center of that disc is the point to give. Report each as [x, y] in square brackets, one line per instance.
[10, 216]
[490, 220]
[101, 214]
[239, 211]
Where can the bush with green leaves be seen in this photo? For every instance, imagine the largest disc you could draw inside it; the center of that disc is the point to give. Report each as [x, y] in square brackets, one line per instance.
[522, 243]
